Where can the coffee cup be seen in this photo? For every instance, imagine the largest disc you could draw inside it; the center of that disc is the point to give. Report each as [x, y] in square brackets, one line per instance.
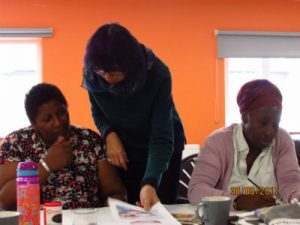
[9, 218]
[215, 210]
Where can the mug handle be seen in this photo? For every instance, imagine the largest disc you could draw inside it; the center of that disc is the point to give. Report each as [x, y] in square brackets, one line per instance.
[197, 210]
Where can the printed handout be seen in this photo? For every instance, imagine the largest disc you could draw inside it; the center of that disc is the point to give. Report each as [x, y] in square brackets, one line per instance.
[124, 213]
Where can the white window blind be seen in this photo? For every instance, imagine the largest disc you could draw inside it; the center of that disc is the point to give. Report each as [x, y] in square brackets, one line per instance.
[239, 44]
[26, 32]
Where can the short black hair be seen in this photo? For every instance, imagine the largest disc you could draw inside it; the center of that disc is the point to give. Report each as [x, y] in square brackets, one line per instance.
[113, 48]
[39, 95]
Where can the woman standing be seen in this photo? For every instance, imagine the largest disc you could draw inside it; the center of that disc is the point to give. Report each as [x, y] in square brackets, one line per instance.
[130, 91]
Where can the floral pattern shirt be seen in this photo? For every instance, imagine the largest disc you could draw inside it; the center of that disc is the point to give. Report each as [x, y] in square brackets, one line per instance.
[74, 186]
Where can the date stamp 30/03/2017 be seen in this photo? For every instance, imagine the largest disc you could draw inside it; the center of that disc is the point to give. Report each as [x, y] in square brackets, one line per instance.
[251, 190]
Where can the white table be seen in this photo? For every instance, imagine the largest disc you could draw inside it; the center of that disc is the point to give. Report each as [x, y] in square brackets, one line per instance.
[105, 217]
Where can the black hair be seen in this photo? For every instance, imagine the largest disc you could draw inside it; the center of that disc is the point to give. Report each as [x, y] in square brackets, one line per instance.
[39, 95]
[113, 48]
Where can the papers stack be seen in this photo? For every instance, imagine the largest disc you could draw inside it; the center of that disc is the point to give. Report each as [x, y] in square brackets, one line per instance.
[276, 215]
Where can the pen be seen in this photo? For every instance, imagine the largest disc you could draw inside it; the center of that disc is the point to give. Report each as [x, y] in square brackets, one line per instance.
[278, 201]
[253, 182]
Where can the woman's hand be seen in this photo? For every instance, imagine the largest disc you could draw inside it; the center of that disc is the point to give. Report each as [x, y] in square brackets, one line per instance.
[252, 202]
[148, 197]
[59, 154]
[115, 151]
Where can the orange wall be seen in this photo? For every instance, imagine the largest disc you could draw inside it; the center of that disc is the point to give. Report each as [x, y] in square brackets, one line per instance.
[181, 32]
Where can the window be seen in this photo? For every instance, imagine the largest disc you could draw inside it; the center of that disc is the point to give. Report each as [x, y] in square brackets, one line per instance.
[20, 69]
[283, 72]
[261, 54]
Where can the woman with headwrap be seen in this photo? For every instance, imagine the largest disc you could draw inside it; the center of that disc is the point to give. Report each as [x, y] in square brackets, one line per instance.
[130, 91]
[253, 162]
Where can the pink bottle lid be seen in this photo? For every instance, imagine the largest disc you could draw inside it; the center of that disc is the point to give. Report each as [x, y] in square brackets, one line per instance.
[27, 169]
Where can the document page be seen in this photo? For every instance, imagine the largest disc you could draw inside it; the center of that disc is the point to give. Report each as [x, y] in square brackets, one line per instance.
[124, 213]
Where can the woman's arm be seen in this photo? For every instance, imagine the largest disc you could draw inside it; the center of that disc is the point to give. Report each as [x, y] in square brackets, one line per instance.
[114, 146]
[110, 182]
[8, 172]
[208, 171]
[8, 185]
[60, 154]
[161, 142]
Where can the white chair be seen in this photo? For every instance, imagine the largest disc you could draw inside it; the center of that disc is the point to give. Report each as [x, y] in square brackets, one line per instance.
[190, 149]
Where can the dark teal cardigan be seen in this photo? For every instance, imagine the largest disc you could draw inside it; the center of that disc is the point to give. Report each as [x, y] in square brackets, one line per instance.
[147, 122]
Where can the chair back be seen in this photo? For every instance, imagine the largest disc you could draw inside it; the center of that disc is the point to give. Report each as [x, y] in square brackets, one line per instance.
[187, 167]
[297, 147]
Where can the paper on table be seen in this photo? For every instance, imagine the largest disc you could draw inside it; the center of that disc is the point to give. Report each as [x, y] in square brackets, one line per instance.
[184, 213]
[282, 214]
[250, 221]
[124, 213]
[242, 214]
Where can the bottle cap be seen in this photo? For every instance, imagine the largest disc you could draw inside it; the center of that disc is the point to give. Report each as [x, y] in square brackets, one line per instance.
[52, 204]
[27, 169]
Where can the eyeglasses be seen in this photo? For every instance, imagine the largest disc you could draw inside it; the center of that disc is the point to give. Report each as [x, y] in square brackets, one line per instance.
[100, 72]
[111, 77]
[103, 73]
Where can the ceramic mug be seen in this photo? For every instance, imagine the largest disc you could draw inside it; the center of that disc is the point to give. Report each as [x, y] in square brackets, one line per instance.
[9, 218]
[215, 210]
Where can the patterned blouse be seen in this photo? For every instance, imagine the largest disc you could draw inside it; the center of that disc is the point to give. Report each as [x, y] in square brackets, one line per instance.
[74, 186]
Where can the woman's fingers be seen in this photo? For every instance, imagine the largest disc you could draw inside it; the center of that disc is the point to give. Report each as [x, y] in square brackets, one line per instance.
[115, 151]
[118, 159]
[123, 161]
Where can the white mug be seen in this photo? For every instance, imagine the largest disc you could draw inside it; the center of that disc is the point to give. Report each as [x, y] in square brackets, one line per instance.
[215, 210]
[9, 217]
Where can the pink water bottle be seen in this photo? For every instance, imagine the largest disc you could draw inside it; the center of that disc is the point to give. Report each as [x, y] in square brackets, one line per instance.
[28, 193]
